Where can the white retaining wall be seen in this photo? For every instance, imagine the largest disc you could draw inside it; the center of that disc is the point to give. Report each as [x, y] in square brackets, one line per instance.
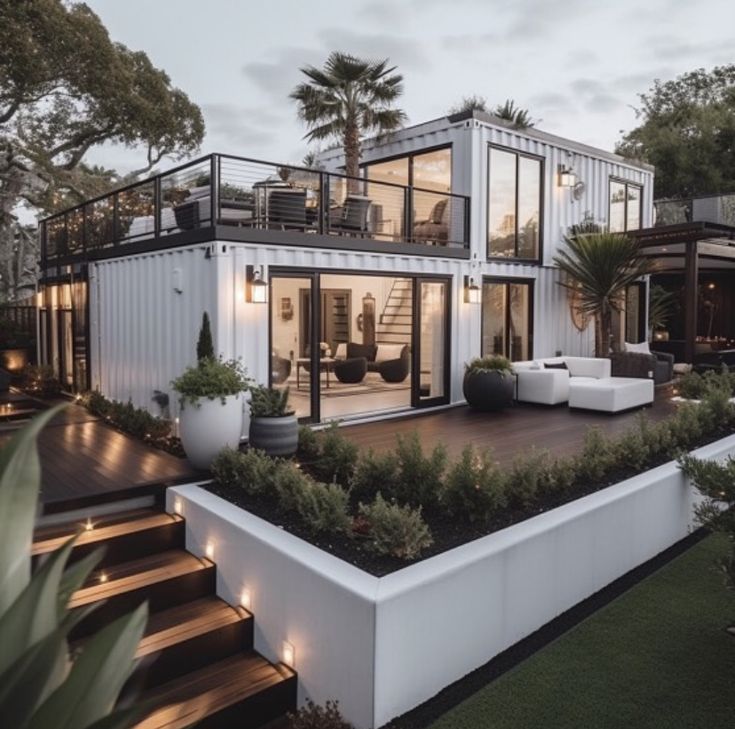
[384, 645]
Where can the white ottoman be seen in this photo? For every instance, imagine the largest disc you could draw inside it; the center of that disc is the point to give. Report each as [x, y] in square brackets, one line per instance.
[610, 394]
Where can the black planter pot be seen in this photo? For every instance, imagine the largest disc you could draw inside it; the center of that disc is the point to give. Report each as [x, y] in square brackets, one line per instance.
[275, 436]
[488, 390]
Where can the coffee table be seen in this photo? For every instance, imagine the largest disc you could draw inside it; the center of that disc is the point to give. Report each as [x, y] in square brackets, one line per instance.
[326, 364]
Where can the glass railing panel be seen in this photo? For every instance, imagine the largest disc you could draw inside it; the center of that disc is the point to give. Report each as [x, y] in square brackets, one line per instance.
[99, 216]
[439, 219]
[186, 198]
[136, 213]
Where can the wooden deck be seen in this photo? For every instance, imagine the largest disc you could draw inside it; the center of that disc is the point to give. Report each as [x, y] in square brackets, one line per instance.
[84, 461]
[508, 433]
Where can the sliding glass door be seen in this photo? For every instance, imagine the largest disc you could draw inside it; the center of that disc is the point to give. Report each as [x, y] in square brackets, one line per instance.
[431, 336]
[507, 318]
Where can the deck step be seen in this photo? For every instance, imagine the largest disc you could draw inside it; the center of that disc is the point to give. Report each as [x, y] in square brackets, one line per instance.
[188, 637]
[165, 579]
[125, 535]
[240, 692]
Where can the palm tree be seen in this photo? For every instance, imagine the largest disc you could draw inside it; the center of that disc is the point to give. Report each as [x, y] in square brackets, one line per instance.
[598, 268]
[347, 98]
[508, 111]
[661, 307]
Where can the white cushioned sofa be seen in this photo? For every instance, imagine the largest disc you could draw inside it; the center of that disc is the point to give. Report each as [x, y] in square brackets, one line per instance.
[544, 385]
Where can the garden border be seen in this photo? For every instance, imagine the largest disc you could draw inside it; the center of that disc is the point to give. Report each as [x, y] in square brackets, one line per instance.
[382, 646]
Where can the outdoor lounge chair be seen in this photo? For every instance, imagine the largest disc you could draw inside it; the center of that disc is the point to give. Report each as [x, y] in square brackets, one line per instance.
[352, 218]
[350, 371]
[287, 209]
[434, 230]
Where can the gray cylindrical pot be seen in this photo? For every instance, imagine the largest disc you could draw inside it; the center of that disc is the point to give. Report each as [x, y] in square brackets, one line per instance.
[488, 389]
[275, 436]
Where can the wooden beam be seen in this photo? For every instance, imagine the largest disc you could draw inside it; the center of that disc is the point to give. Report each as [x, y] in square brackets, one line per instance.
[691, 281]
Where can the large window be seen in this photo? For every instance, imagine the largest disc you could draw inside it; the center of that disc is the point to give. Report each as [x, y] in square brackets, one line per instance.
[626, 200]
[428, 170]
[514, 205]
[507, 318]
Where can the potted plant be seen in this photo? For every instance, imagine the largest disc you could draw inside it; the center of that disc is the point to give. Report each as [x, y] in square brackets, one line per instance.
[273, 425]
[211, 396]
[488, 383]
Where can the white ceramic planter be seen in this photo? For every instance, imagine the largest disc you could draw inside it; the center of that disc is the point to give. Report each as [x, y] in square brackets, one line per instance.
[207, 427]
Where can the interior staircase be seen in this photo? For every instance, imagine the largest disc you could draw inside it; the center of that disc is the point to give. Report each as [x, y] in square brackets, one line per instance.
[394, 324]
[197, 664]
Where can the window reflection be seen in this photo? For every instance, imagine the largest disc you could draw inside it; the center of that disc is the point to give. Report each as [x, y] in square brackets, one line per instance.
[507, 318]
[625, 206]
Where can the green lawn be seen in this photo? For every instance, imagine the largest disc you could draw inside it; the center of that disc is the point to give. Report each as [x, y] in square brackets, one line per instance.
[658, 656]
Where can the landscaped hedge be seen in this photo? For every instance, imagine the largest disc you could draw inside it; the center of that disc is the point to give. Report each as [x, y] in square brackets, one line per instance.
[397, 505]
[694, 386]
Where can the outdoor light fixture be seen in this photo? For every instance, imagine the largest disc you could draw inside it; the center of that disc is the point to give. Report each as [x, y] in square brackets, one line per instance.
[288, 654]
[472, 292]
[567, 176]
[246, 599]
[209, 550]
[88, 525]
[178, 506]
[256, 288]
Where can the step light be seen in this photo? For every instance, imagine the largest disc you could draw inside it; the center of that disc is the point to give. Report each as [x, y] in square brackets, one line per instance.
[178, 506]
[88, 526]
[246, 599]
[288, 654]
[209, 550]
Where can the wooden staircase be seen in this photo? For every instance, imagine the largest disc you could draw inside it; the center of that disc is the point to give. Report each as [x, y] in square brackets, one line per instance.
[394, 324]
[196, 663]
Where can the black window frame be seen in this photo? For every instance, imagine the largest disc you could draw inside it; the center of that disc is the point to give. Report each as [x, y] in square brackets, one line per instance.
[531, 283]
[627, 184]
[538, 260]
[410, 155]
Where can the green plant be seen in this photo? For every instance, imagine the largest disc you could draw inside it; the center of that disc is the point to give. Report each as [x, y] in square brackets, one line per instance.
[309, 448]
[661, 307]
[490, 363]
[211, 379]
[396, 531]
[475, 487]
[419, 481]
[125, 416]
[597, 456]
[252, 470]
[44, 686]
[530, 475]
[598, 268]
[40, 380]
[205, 346]
[631, 450]
[338, 456]
[269, 402]
[374, 472]
[312, 716]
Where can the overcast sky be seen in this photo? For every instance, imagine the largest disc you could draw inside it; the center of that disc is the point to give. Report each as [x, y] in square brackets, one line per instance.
[577, 65]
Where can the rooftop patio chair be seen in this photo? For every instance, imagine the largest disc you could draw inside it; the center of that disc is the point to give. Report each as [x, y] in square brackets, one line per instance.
[435, 229]
[353, 218]
[287, 209]
[187, 215]
[350, 371]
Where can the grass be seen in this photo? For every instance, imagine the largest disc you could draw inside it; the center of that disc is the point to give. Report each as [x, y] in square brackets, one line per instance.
[657, 657]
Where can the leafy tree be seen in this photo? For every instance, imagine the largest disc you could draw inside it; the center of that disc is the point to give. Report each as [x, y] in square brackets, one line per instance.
[687, 130]
[205, 346]
[347, 98]
[469, 103]
[598, 268]
[520, 118]
[65, 88]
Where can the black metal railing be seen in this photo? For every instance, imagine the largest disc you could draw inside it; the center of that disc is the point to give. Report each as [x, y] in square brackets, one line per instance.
[234, 191]
[719, 209]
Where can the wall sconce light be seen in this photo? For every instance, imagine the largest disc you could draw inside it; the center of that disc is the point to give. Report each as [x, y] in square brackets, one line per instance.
[246, 599]
[288, 654]
[567, 176]
[209, 550]
[256, 288]
[472, 292]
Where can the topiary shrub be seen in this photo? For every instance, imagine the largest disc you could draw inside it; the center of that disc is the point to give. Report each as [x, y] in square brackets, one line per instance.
[205, 346]
[475, 487]
[374, 472]
[395, 531]
[312, 716]
[419, 480]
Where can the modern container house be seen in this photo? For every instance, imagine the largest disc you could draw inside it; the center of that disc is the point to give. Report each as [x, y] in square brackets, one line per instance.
[366, 296]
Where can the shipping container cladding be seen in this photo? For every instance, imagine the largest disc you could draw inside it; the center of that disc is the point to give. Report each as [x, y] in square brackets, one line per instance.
[351, 292]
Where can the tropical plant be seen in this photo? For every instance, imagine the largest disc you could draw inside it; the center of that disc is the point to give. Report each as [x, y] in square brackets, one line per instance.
[347, 98]
[205, 346]
[469, 103]
[211, 379]
[268, 402]
[490, 363]
[661, 307]
[598, 268]
[45, 686]
[508, 111]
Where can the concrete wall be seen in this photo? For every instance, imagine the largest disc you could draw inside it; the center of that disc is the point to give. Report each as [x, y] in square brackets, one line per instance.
[383, 646]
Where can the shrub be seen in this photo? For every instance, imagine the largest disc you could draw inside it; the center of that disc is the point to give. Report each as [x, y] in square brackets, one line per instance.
[396, 531]
[656, 437]
[475, 488]
[685, 426]
[138, 422]
[374, 472]
[694, 386]
[251, 470]
[269, 402]
[308, 448]
[631, 450]
[529, 476]
[312, 716]
[716, 412]
[40, 380]
[338, 456]
[210, 379]
[562, 475]
[690, 386]
[596, 458]
[419, 480]
[490, 363]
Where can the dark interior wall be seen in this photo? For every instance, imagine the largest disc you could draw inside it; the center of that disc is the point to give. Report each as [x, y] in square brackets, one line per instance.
[716, 311]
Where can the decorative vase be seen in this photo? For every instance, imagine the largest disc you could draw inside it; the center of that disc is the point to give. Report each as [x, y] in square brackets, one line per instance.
[276, 436]
[488, 390]
[208, 426]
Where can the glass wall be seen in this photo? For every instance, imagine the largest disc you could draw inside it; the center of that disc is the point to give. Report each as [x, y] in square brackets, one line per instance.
[514, 205]
[507, 319]
[625, 206]
[433, 340]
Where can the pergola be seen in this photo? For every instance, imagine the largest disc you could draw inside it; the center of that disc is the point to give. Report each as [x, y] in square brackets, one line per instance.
[688, 248]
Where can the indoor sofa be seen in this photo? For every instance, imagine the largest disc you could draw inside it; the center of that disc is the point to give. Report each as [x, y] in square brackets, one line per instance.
[391, 361]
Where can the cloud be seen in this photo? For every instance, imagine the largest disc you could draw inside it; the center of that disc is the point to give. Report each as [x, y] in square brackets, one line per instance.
[405, 52]
[232, 127]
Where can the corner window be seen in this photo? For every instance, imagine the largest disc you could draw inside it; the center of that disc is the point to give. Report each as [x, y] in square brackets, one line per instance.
[514, 205]
[626, 200]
